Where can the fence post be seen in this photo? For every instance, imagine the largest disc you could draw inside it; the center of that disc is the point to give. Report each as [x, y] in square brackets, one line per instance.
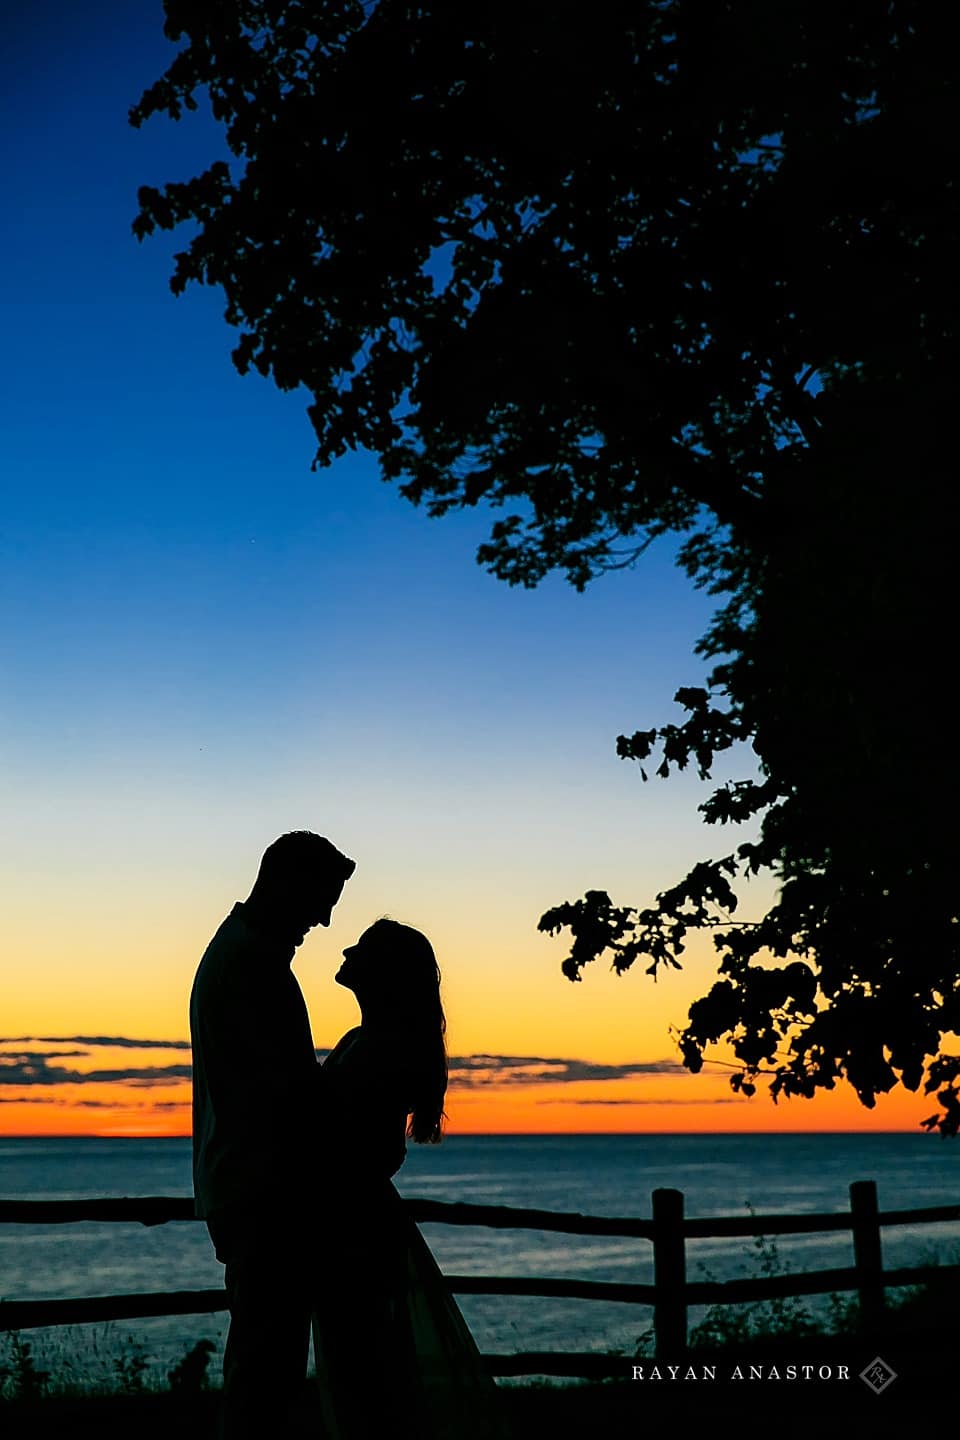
[669, 1274]
[867, 1255]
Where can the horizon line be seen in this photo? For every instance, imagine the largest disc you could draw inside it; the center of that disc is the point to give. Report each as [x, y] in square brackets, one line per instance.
[513, 1134]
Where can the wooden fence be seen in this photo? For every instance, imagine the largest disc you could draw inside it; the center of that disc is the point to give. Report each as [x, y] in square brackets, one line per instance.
[668, 1230]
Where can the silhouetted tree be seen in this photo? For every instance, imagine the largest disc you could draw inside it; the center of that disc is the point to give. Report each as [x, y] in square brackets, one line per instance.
[634, 268]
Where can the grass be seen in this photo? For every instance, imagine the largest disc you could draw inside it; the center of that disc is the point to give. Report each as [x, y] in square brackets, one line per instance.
[908, 1311]
[96, 1363]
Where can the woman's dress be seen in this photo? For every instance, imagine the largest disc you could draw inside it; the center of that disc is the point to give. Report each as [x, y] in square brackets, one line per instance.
[394, 1354]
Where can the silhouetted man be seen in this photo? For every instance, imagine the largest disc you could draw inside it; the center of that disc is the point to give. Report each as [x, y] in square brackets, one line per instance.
[256, 1131]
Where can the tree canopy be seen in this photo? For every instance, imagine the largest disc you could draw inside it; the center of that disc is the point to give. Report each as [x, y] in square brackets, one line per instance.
[618, 271]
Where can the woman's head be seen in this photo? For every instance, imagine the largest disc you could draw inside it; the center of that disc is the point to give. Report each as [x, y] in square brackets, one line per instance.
[390, 964]
[394, 974]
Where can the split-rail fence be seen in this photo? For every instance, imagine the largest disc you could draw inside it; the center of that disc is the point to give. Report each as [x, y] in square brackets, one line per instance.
[668, 1230]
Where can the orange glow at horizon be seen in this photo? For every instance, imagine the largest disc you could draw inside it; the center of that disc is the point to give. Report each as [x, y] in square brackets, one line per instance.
[542, 1056]
[660, 1105]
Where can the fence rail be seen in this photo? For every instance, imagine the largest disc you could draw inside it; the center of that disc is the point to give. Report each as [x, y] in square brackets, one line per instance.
[164, 1209]
[670, 1295]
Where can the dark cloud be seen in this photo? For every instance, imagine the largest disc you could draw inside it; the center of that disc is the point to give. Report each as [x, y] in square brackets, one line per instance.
[24, 1067]
[58, 1101]
[121, 1042]
[468, 1071]
[35, 1069]
[11, 1055]
[651, 1100]
[149, 1075]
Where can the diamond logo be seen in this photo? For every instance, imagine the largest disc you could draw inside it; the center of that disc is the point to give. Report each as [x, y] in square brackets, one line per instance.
[878, 1375]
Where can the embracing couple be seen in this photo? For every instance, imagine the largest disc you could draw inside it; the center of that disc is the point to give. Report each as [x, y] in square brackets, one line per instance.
[292, 1167]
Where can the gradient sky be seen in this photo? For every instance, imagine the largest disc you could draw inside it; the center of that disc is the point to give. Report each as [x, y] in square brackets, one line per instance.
[203, 644]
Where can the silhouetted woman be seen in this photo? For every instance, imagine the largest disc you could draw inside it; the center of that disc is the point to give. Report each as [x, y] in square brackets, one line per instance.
[394, 1354]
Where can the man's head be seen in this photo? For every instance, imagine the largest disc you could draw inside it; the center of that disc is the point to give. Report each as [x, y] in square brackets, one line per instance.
[301, 878]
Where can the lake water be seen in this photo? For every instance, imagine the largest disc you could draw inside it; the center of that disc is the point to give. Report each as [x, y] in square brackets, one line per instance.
[601, 1175]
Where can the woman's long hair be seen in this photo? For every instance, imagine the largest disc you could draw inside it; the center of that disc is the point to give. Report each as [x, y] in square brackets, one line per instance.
[412, 978]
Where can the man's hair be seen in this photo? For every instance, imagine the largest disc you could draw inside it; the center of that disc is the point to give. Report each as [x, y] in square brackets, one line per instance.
[299, 858]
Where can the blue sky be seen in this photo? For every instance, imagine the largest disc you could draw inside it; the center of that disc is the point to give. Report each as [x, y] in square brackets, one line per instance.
[204, 643]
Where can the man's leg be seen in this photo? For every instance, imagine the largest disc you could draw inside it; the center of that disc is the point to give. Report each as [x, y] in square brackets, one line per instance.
[265, 1358]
